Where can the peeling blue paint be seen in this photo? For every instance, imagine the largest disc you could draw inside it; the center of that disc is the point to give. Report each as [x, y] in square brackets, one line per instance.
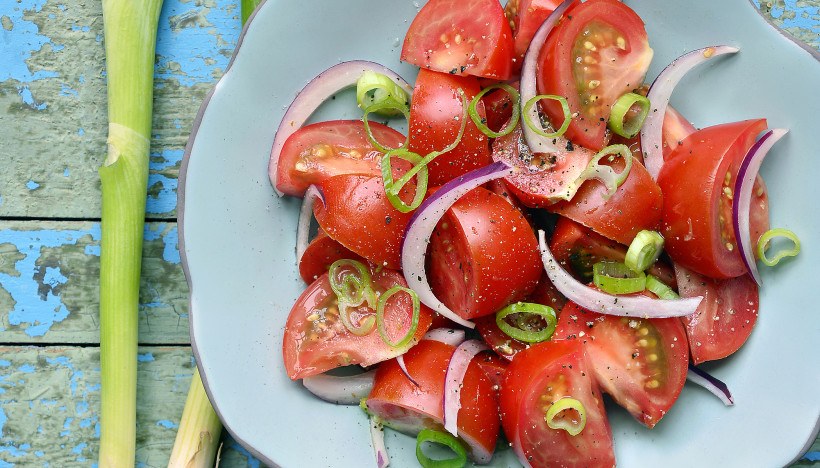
[166, 200]
[3, 419]
[32, 185]
[66, 172]
[167, 424]
[147, 357]
[66, 90]
[80, 131]
[812, 456]
[28, 98]
[4, 363]
[78, 449]
[171, 252]
[252, 461]
[26, 368]
[16, 48]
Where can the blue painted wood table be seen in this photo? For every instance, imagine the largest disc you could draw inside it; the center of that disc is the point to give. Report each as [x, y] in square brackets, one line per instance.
[52, 140]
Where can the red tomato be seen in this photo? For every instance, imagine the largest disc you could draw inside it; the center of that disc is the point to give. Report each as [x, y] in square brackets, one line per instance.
[321, 150]
[725, 317]
[540, 176]
[598, 52]
[525, 17]
[577, 248]
[641, 363]
[697, 182]
[435, 119]
[445, 39]
[408, 408]
[497, 340]
[359, 216]
[635, 206]
[493, 366]
[536, 378]
[320, 254]
[675, 129]
[483, 255]
[316, 341]
[499, 106]
[547, 294]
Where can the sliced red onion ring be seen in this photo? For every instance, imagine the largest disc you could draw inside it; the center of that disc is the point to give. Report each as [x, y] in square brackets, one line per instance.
[538, 143]
[659, 93]
[312, 194]
[448, 336]
[744, 184]
[424, 220]
[454, 378]
[317, 91]
[377, 437]
[346, 390]
[603, 303]
[403, 367]
[716, 386]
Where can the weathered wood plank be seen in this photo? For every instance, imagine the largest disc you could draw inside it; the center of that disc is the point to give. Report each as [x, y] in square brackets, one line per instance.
[53, 108]
[49, 401]
[49, 284]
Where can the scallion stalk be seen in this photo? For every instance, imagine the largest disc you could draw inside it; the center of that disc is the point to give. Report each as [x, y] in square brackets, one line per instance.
[248, 6]
[199, 430]
[130, 29]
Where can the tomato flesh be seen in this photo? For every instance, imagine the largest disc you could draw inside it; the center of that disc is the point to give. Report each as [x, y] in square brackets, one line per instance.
[442, 38]
[525, 17]
[725, 317]
[596, 53]
[408, 407]
[320, 253]
[641, 363]
[315, 339]
[536, 378]
[321, 150]
[698, 182]
[483, 255]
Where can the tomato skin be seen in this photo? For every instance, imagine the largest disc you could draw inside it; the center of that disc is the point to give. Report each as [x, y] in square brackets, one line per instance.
[577, 248]
[320, 253]
[615, 69]
[697, 220]
[635, 206]
[498, 106]
[408, 408]
[442, 38]
[324, 149]
[561, 367]
[483, 255]
[358, 215]
[725, 317]
[525, 17]
[315, 340]
[435, 119]
[497, 340]
[641, 363]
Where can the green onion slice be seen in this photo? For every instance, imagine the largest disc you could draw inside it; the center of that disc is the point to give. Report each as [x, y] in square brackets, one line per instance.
[536, 126]
[620, 120]
[380, 107]
[606, 174]
[351, 282]
[516, 111]
[644, 250]
[617, 278]
[374, 88]
[768, 236]
[659, 288]
[440, 438]
[414, 323]
[573, 425]
[526, 313]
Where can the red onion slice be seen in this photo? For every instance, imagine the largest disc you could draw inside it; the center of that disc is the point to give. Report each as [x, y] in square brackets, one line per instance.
[312, 194]
[424, 220]
[538, 143]
[659, 94]
[377, 438]
[454, 378]
[403, 367]
[744, 184]
[603, 303]
[317, 91]
[347, 390]
[716, 386]
[448, 336]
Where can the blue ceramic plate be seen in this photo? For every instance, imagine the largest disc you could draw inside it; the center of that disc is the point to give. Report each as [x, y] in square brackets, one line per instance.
[239, 238]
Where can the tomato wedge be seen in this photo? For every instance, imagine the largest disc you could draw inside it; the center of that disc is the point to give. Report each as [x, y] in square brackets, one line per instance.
[725, 317]
[537, 378]
[697, 180]
[435, 119]
[641, 363]
[320, 253]
[321, 150]
[442, 38]
[408, 407]
[525, 17]
[316, 340]
[596, 53]
[483, 255]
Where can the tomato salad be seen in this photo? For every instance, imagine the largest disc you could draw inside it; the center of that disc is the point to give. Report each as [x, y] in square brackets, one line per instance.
[549, 230]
